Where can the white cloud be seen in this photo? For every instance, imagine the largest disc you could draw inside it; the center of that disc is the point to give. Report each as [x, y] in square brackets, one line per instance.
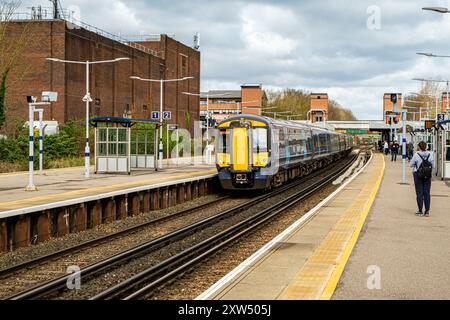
[314, 45]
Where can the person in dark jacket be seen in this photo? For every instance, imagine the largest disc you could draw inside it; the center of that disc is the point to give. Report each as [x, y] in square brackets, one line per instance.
[423, 186]
[394, 150]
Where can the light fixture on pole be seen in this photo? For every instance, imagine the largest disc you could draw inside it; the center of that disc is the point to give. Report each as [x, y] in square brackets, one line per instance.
[161, 101]
[208, 117]
[447, 89]
[87, 99]
[436, 9]
[432, 80]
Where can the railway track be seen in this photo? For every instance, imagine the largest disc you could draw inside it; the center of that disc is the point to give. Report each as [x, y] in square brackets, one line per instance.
[10, 271]
[166, 270]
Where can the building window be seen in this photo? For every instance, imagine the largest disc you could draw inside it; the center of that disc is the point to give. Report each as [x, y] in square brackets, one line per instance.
[183, 65]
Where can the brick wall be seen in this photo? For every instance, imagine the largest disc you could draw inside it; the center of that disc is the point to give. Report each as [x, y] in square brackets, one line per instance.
[251, 97]
[112, 90]
[389, 106]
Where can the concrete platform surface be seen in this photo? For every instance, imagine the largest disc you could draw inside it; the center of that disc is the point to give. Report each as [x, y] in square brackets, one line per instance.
[307, 262]
[400, 255]
[68, 184]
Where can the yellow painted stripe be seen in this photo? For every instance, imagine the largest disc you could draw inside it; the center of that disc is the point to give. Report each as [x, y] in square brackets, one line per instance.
[22, 173]
[337, 273]
[318, 277]
[11, 205]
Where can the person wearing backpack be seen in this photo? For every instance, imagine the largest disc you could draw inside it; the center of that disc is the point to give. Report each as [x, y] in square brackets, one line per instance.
[422, 165]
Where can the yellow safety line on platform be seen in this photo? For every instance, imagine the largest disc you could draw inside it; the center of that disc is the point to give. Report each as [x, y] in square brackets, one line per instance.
[336, 276]
[92, 191]
[318, 278]
[23, 173]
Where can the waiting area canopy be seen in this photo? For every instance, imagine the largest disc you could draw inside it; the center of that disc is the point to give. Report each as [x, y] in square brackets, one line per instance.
[123, 143]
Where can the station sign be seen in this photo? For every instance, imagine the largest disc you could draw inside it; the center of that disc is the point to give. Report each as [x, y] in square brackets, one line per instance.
[429, 124]
[441, 117]
[155, 115]
[356, 131]
[167, 115]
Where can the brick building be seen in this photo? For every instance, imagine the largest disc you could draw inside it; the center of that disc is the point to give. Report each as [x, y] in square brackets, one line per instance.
[389, 106]
[318, 110]
[226, 103]
[112, 90]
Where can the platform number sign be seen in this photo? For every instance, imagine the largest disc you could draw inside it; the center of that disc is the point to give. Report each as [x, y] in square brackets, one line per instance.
[441, 117]
[167, 115]
[155, 115]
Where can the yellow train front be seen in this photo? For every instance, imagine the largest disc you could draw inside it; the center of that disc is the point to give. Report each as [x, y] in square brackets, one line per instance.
[257, 153]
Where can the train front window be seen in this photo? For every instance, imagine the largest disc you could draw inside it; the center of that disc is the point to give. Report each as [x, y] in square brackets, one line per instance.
[260, 140]
[223, 141]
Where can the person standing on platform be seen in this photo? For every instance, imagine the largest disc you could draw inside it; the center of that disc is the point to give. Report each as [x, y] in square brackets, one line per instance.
[386, 147]
[422, 165]
[394, 151]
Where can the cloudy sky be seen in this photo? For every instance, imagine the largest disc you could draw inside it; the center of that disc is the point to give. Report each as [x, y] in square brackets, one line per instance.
[354, 50]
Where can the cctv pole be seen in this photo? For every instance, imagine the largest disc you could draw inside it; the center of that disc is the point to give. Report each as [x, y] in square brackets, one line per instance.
[41, 138]
[31, 186]
[161, 125]
[87, 151]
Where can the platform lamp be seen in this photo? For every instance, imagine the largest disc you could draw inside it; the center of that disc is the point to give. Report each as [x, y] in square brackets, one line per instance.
[439, 81]
[431, 55]
[161, 118]
[87, 99]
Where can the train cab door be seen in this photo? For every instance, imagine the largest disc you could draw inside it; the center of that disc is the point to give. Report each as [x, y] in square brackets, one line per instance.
[240, 153]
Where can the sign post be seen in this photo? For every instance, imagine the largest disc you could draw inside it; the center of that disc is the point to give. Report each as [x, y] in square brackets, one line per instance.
[47, 98]
[404, 181]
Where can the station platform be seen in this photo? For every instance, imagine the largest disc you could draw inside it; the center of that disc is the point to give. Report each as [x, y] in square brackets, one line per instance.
[306, 261]
[69, 185]
[400, 255]
[66, 202]
[362, 242]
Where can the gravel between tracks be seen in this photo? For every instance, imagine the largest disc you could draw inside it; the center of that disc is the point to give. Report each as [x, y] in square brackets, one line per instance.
[127, 270]
[27, 278]
[192, 284]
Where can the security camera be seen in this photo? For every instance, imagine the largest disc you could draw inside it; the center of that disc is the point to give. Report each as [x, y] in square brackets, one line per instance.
[31, 99]
[49, 96]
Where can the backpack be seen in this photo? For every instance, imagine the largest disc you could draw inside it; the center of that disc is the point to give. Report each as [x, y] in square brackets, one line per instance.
[425, 169]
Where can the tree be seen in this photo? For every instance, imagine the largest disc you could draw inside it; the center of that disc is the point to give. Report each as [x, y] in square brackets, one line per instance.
[12, 49]
[298, 103]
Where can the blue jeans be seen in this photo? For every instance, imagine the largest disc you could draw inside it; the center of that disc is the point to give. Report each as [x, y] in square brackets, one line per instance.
[423, 189]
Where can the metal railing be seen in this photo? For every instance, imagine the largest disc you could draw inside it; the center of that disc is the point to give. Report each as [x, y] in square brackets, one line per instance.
[73, 23]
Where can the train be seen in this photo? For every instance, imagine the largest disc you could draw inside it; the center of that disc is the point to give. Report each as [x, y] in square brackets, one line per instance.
[259, 153]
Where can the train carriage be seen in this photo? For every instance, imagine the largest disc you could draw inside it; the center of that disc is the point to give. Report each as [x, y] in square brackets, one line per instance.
[255, 152]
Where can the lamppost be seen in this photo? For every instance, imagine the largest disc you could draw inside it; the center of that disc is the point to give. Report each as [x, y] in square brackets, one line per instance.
[432, 80]
[87, 98]
[436, 9]
[208, 117]
[431, 55]
[420, 108]
[161, 101]
[278, 112]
